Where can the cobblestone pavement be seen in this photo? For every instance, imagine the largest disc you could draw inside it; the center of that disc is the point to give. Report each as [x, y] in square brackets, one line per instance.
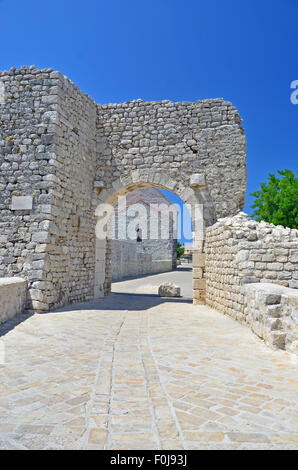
[138, 372]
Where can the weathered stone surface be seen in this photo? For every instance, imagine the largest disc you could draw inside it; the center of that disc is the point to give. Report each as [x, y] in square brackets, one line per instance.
[12, 297]
[197, 180]
[156, 251]
[56, 143]
[21, 203]
[167, 289]
[128, 259]
[235, 259]
[143, 373]
[99, 184]
[271, 311]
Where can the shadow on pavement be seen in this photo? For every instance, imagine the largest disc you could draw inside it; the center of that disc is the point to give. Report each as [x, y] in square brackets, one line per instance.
[15, 321]
[115, 301]
[120, 301]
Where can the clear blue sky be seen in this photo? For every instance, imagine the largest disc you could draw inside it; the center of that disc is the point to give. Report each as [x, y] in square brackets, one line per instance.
[184, 222]
[118, 50]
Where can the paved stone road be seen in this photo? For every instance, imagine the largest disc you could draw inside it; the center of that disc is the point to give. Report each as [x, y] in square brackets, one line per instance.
[182, 277]
[138, 372]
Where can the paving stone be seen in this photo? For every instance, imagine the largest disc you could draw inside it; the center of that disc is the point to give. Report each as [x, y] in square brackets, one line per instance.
[129, 374]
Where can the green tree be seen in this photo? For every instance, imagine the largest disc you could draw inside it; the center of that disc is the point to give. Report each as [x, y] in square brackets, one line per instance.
[277, 200]
[180, 250]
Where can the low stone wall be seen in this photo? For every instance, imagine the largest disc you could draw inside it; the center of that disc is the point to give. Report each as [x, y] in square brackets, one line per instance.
[13, 292]
[161, 266]
[241, 251]
[271, 311]
[129, 260]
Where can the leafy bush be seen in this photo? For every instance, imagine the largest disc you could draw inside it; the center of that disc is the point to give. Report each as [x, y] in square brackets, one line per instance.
[180, 250]
[277, 200]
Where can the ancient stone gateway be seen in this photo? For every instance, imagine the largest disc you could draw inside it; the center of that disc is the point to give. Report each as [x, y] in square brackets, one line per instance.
[62, 155]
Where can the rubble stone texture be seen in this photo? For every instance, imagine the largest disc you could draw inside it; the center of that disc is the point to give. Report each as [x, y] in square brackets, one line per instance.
[70, 155]
[156, 217]
[239, 252]
[271, 311]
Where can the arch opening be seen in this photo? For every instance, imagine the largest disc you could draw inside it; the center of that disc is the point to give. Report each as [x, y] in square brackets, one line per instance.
[192, 200]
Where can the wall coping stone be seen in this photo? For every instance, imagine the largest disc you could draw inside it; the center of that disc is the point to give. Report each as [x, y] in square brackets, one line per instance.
[6, 281]
[270, 288]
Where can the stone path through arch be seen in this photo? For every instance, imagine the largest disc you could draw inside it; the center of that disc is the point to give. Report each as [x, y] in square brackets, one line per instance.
[138, 372]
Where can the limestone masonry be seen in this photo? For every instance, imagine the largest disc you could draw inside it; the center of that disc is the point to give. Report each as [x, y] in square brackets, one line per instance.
[242, 252]
[129, 259]
[69, 155]
[156, 218]
[62, 156]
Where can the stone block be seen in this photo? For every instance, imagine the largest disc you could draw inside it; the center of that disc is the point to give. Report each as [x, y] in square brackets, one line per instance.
[99, 184]
[167, 289]
[40, 237]
[199, 284]
[277, 339]
[19, 203]
[272, 299]
[13, 292]
[197, 273]
[199, 297]
[197, 181]
[199, 259]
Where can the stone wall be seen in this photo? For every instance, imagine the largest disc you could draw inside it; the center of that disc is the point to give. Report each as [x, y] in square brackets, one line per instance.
[155, 216]
[108, 269]
[177, 140]
[47, 154]
[13, 293]
[241, 251]
[62, 155]
[27, 167]
[161, 249]
[130, 259]
[70, 251]
[271, 311]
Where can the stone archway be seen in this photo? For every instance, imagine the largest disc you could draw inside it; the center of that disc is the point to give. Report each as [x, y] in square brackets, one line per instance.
[83, 154]
[196, 198]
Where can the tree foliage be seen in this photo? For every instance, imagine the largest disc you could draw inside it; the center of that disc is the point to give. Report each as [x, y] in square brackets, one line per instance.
[180, 250]
[277, 200]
